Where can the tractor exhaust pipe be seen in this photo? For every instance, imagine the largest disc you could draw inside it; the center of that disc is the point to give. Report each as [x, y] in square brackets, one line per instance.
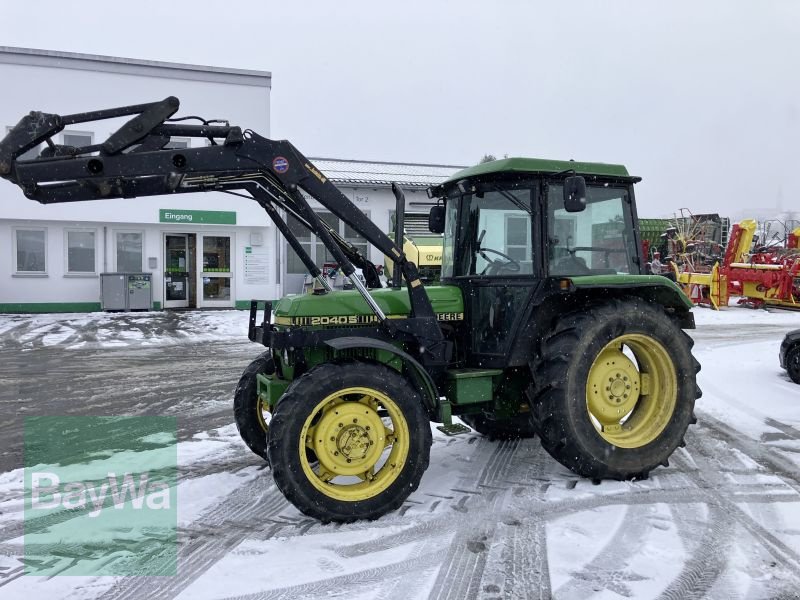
[399, 231]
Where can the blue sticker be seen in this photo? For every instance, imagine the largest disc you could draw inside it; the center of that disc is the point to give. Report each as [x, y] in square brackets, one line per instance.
[280, 164]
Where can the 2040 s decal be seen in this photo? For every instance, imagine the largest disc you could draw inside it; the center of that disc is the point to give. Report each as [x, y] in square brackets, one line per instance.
[353, 319]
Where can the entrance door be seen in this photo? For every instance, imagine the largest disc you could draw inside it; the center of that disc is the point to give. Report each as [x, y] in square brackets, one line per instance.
[176, 270]
[214, 274]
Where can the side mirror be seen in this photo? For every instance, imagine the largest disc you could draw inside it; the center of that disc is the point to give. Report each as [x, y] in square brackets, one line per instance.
[436, 219]
[574, 193]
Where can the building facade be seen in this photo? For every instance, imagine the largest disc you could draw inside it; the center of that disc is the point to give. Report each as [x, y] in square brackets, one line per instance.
[205, 250]
[369, 186]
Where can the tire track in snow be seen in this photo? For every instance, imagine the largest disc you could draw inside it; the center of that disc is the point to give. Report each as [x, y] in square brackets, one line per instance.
[627, 541]
[789, 431]
[782, 553]
[704, 566]
[460, 574]
[430, 531]
[208, 539]
[363, 579]
[761, 454]
[517, 561]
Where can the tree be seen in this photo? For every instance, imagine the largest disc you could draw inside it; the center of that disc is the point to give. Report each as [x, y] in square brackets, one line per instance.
[487, 158]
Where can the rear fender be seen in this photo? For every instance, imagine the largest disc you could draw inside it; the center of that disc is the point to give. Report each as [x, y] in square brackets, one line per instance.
[655, 289]
[550, 302]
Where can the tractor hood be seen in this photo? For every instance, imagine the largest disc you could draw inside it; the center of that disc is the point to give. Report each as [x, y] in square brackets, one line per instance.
[349, 308]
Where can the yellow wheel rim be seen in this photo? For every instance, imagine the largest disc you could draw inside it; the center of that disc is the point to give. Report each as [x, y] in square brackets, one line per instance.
[631, 391]
[361, 440]
[262, 413]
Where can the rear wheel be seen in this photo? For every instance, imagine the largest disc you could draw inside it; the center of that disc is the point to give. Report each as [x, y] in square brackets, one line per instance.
[366, 426]
[793, 363]
[615, 387]
[251, 416]
[506, 429]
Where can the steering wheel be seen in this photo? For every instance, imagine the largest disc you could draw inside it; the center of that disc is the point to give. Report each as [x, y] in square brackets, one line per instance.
[510, 264]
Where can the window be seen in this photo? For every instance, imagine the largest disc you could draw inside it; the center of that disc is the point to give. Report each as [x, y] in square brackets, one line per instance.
[80, 251]
[595, 241]
[303, 235]
[216, 274]
[518, 237]
[493, 237]
[129, 251]
[76, 139]
[357, 240]
[322, 255]
[30, 154]
[314, 246]
[178, 143]
[216, 254]
[30, 250]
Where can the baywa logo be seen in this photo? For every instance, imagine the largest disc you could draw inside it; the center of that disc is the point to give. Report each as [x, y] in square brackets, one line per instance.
[46, 493]
[100, 496]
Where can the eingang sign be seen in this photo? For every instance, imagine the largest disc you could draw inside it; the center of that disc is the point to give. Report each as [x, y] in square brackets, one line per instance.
[213, 217]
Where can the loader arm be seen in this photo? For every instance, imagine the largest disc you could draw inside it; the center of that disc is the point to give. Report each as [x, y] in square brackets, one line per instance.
[135, 161]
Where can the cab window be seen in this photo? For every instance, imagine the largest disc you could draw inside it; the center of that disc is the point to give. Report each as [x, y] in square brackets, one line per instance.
[492, 234]
[596, 241]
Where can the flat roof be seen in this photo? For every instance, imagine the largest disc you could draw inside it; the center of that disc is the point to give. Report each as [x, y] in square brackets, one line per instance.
[132, 66]
[379, 173]
[544, 166]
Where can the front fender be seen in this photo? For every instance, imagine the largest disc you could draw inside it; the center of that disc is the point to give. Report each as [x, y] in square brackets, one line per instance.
[424, 382]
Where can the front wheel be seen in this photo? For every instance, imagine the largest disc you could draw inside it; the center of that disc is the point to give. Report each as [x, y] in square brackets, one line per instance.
[366, 426]
[615, 387]
[250, 414]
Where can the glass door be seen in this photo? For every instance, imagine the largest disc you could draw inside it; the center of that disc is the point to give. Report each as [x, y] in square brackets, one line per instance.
[215, 275]
[176, 270]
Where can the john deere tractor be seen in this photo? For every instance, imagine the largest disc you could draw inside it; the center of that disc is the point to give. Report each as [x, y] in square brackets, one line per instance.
[542, 325]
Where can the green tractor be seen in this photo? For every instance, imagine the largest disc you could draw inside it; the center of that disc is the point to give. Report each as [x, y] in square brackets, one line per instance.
[543, 323]
[553, 329]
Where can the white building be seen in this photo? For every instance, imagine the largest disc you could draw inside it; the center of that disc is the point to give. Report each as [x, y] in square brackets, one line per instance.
[202, 250]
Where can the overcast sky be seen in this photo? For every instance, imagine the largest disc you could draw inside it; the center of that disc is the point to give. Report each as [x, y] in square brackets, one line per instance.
[701, 99]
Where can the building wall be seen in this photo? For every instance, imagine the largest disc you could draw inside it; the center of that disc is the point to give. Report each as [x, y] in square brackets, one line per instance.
[64, 83]
[379, 203]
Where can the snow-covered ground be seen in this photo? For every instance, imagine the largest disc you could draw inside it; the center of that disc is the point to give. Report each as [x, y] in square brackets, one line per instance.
[114, 330]
[490, 519]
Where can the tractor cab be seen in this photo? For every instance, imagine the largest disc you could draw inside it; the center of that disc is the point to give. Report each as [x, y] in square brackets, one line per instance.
[513, 218]
[512, 225]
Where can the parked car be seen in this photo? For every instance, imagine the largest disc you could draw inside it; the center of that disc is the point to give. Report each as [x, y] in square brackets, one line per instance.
[790, 354]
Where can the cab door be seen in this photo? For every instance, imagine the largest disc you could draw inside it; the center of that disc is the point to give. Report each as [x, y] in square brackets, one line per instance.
[499, 266]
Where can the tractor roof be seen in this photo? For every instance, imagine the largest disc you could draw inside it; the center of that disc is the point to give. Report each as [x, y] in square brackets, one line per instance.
[543, 166]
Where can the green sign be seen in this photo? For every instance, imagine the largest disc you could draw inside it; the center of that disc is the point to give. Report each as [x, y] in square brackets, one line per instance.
[100, 495]
[203, 217]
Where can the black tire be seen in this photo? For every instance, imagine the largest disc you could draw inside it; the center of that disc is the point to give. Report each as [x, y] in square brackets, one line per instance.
[247, 408]
[561, 372]
[506, 429]
[793, 363]
[301, 404]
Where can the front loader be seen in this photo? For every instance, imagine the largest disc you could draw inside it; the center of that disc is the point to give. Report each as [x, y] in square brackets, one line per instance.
[543, 323]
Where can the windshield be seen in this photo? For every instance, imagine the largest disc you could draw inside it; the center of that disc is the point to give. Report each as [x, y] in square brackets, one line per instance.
[489, 233]
[595, 241]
